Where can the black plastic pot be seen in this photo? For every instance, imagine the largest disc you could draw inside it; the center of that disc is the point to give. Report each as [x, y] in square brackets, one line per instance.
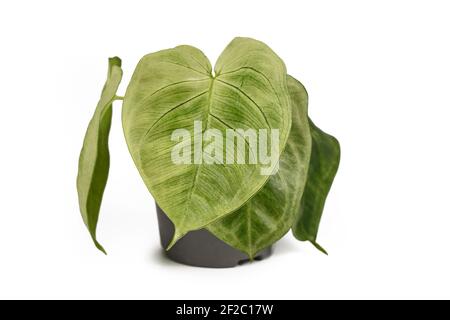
[201, 248]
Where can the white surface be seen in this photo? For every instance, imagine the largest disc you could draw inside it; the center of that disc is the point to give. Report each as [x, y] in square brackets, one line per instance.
[378, 77]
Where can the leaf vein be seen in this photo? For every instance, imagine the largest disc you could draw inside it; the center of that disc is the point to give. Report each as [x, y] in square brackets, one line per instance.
[248, 97]
[184, 66]
[167, 86]
[167, 112]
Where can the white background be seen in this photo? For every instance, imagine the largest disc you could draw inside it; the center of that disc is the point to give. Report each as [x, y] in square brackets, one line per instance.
[378, 76]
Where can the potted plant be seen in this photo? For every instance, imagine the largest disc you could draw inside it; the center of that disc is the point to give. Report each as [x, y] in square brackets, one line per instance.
[229, 154]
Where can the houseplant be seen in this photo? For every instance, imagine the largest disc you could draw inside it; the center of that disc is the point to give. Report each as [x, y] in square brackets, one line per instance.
[230, 150]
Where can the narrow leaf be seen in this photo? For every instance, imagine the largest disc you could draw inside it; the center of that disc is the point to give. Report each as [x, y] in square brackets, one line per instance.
[93, 164]
[269, 215]
[325, 156]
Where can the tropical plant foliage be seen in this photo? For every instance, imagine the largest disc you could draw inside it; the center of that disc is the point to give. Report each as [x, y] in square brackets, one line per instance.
[248, 89]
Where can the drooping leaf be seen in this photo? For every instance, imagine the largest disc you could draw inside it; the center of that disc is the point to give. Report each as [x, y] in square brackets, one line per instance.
[173, 88]
[93, 166]
[269, 215]
[325, 156]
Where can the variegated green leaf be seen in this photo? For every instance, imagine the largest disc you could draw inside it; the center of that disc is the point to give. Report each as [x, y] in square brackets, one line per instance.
[269, 215]
[173, 88]
[93, 164]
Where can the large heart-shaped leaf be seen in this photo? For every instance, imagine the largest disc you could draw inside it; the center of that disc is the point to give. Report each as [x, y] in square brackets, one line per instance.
[173, 88]
[270, 213]
[325, 156]
[93, 166]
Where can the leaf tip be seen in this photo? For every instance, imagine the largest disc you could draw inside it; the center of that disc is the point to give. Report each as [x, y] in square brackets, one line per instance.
[100, 247]
[319, 247]
[177, 236]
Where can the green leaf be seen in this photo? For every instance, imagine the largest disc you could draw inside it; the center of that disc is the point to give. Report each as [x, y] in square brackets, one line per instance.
[325, 156]
[93, 166]
[269, 215]
[171, 89]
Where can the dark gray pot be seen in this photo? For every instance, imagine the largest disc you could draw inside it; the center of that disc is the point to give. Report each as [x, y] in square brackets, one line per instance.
[201, 248]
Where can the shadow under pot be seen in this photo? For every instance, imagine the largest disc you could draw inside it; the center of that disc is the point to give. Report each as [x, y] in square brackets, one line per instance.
[201, 248]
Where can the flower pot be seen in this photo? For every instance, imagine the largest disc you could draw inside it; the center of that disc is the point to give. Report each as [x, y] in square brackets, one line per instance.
[201, 248]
